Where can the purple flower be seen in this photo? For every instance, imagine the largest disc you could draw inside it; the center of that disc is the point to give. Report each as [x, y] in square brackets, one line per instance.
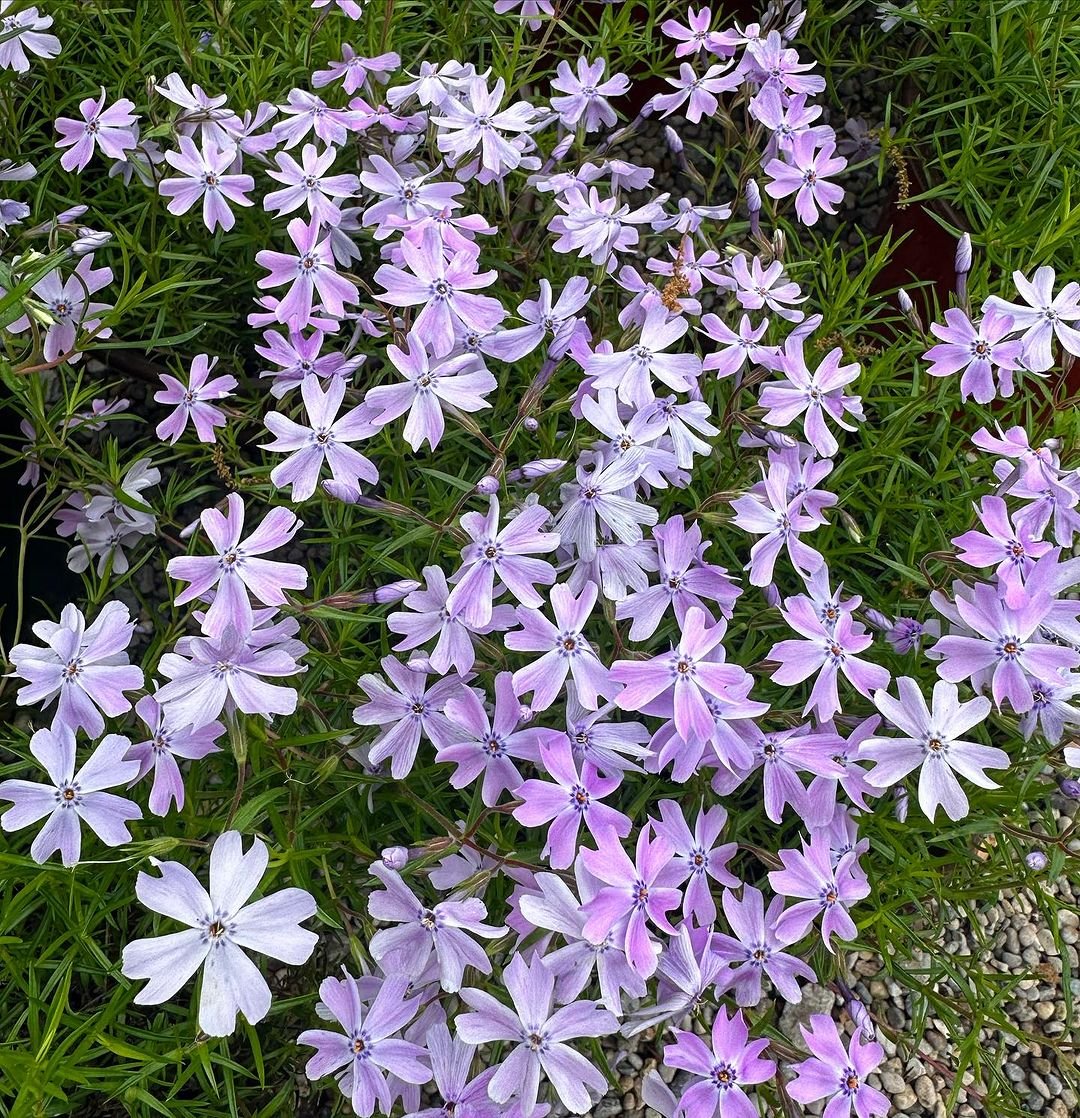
[369, 1047]
[978, 349]
[308, 183]
[1011, 550]
[72, 797]
[766, 287]
[756, 949]
[405, 709]
[693, 35]
[567, 801]
[110, 128]
[804, 174]
[206, 174]
[1041, 316]
[630, 371]
[454, 646]
[85, 666]
[722, 1071]
[837, 1074]
[219, 924]
[323, 439]
[191, 401]
[1004, 644]
[564, 650]
[685, 579]
[488, 746]
[406, 948]
[539, 1037]
[829, 650]
[557, 317]
[503, 553]
[159, 753]
[697, 857]
[305, 111]
[640, 890]
[699, 91]
[530, 9]
[298, 357]
[736, 349]
[687, 671]
[934, 745]
[310, 269]
[770, 62]
[827, 889]
[407, 199]
[779, 518]
[451, 1065]
[813, 395]
[227, 673]
[586, 94]
[1051, 710]
[443, 287]
[599, 494]
[25, 29]
[599, 228]
[236, 568]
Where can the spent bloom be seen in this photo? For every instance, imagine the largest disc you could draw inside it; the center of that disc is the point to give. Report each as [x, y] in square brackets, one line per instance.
[934, 745]
[71, 798]
[221, 924]
[192, 401]
[112, 129]
[84, 666]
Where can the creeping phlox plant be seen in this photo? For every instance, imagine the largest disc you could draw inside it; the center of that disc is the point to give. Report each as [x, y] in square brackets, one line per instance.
[459, 270]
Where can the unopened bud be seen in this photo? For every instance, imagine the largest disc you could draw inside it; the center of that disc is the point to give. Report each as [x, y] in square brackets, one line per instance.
[963, 255]
[189, 530]
[877, 620]
[89, 240]
[342, 491]
[542, 467]
[907, 307]
[562, 147]
[779, 243]
[394, 591]
[772, 595]
[395, 857]
[1036, 861]
[531, 424]
[420, 664]
[525, 714]
[66, 217]
[901, 800]
[487, 484]
[1071, 788]
[673, 139]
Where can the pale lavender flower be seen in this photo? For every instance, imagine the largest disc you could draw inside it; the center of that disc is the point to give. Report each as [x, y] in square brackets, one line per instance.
[297, 357]
[489, 746]
[24, 31]
[827, 889]
[305, 111]
[307, 183]
[756, 949]
[563, 647]
[631, 371]
[110, 128]
[420, 930]
[159, 753]
[770, 61]
[599, 228]
[766, 287]
[369, 1048]
[462, 1096]
[735, 349]
[354, 69]
[721, 1072]
[692, 36]
[324, 438]
[599, 494]
[539, 1037]
[556, 317]
[531, 10]
[72, 797]
[407, 198]
[804, 173]
[1042, 316]
[444, 288]
[228, 673]
[934, 746]
[979, 349]
[568, 800]
[1051, 710]
[586, 94]
[698, 93]
[697, 856]
[505, 553]
[405, 709]
[220, 923]
[310, 269]
[86, 667]
[191, 401]
[236, 567]
[640, 890]
[206, 174]
[837, 1073]
[462, 382]
[1012, 551]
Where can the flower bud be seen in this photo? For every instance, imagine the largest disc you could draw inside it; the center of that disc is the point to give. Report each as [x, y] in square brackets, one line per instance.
[89, 240]
[66, 217]
[753, 206]
[1071, 788]
[963, 255]
[772, 595]
[395, 857]
[487, 484]
[562, 147]
[341, 491]
[525, 714]
[420, 664]
[779, 243]
[1036, 861]
[901, 801]
[673, 140]
[908, 309]
[531, 424]
[394, 591]
[877, 620]
[542, 467]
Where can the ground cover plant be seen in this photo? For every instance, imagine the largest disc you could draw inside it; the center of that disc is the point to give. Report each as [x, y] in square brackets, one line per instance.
[476, 595]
